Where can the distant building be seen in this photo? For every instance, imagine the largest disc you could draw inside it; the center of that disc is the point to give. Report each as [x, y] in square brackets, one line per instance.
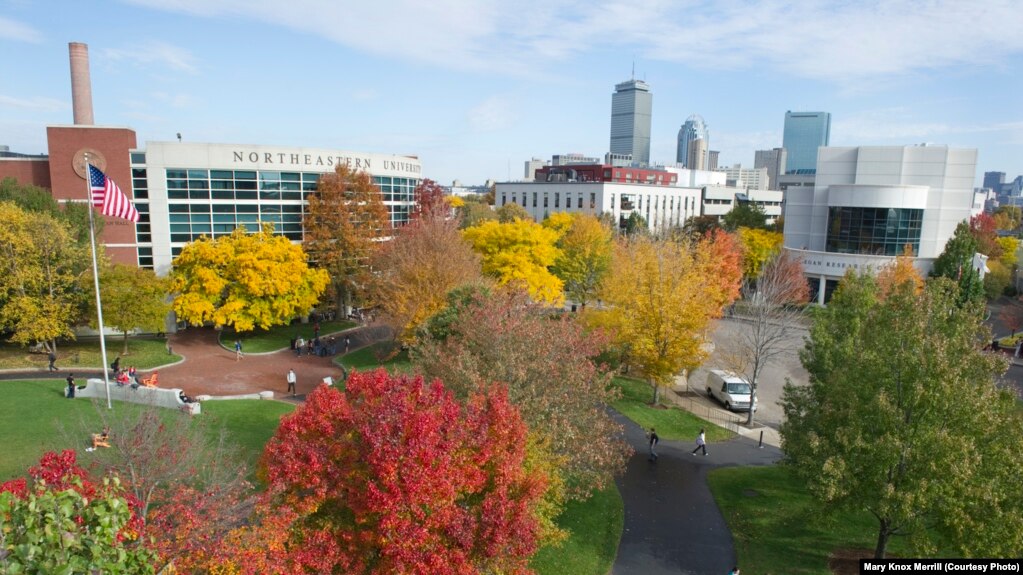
[871, 201]
[606, 173]
[532, 166]
[746, 178]
[712, 159]
[804, 133]
[631, 111]
[994, 181]
[693, 143]
[566, 159]
[774, 160]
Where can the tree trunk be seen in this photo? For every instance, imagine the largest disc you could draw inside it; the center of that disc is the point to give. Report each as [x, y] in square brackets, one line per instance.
[882, 539]
[124, 350]
[657, 392]
[751, 413]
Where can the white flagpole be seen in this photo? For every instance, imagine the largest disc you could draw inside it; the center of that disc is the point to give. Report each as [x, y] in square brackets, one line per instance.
[95, 279]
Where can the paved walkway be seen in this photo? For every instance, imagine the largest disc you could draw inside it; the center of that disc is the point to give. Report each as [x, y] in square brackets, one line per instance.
[672, 524]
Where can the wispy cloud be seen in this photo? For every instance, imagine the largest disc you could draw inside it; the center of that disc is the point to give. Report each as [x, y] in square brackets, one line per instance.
[834, 40]
[154, 54]
[494, 113]
[899, 124]
[38, 104]
[14, 30]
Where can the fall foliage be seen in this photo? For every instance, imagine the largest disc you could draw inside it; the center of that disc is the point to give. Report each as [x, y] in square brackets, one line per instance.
[344, 222]
[519, 253]
[133, 298]
[393, 475]
[430, 201]
[244, 280]
[416, 270]
[758, 247]
[660, 297]
[585, 257]
[900, 272]
[547, 363]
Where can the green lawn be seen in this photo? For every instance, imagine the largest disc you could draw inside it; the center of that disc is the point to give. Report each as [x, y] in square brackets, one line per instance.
[249, 423]
[670, 422]
[777, 527]
[143, 353]
[279, 337]
[365, 359]
[596, 527]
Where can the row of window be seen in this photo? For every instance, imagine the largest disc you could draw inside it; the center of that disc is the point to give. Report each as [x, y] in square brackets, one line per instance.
[874, 231]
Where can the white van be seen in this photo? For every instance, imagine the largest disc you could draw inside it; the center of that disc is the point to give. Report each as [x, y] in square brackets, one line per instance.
[730, 389]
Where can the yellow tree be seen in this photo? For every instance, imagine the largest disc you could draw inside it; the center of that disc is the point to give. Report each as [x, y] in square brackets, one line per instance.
[416, 270]
[899, 273]
[658, 300]
[559, 222]
[519, 253]
[345, 220]
[133, 298]
[1009, 247]
[245, 281]
[758, 247]
[585, 256]
[40, 268]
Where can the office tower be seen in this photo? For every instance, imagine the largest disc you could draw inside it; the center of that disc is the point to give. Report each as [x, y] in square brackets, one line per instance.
[712, 159]
[774, 161]
[696, 154]
[692, 130]
[631, 108]
[804, 133]
[994, 181]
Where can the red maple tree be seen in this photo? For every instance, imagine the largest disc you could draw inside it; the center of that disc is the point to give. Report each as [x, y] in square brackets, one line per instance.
[393, 475]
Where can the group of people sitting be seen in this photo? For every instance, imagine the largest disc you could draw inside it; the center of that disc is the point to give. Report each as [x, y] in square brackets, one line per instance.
[130, 376]
[100, 440]
[314, 346]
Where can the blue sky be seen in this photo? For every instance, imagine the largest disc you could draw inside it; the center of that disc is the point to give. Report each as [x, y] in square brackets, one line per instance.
[476, 88]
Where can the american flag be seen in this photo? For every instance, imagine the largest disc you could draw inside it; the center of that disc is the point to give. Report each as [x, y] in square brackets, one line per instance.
[109, 198]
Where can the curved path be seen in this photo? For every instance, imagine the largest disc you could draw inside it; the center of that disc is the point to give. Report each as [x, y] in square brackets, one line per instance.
[672, 524]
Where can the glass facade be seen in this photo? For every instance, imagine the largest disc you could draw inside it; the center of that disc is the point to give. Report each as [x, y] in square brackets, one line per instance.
[213, 203]
[873, 231]
[804, 133]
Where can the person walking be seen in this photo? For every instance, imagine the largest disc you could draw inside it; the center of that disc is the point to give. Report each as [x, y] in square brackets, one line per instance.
[734, 571]
[654, 440]
[701, 442]
[348, 343]
[291, 382]
[299, 345]
[116, 366]
[70, 386]
[52, 357]
[237, 349]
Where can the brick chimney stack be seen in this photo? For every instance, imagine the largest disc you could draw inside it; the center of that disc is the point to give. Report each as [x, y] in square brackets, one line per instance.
[81, 85]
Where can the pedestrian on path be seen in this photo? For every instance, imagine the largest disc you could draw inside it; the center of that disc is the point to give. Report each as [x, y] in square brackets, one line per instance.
[237, 349]
[701, 442]
[52, 357]
[348, 343]
[70, 386]
[291, 381]
[652, 437]
[734, 571]
[299, 344]
[1019, 344]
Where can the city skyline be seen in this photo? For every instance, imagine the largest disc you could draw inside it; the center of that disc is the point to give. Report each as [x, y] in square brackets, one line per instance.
[475, 89]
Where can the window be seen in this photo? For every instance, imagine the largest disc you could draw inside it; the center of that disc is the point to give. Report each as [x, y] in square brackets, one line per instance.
[875, 231]
[580, 206]
[557, 200]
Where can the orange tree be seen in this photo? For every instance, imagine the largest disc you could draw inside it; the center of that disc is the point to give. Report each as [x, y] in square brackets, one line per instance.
[393, 475]
[345, 220]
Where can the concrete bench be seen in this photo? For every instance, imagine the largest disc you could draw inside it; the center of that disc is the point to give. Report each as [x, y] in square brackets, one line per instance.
[158, 396]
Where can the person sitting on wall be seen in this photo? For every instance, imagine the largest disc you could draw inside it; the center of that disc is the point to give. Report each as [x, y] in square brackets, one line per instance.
[152, 380]
[184, 398]
[123, 379]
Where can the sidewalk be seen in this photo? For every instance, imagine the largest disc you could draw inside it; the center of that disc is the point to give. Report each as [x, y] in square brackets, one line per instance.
[703, 407]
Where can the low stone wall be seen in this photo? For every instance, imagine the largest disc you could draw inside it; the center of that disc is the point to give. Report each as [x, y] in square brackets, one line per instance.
[158, 396]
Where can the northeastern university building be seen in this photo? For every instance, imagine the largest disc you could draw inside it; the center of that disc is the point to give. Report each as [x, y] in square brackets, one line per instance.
[187, 190]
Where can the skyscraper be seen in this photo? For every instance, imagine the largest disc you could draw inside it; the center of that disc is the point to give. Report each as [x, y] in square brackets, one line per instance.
[804, 133]
[693, 129]
[631, 108]
[774, 161]
[994, 181]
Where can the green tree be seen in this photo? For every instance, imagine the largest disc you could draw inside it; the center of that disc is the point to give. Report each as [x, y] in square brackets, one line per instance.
[902, 418]
[745, 215]
[474, 212]
[585, 258]
[133, 298]
[245, 281]
[40, 271]
[345, 220]
[956, 263]
[634, 224]
[510, 212]
[40, 200]
[698, 226]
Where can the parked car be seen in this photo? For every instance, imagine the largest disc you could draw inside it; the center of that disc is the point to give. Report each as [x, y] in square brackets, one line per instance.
[731, 390]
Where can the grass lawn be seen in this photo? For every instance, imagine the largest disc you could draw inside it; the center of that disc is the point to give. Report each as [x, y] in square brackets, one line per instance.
[142, 353]
[670, 422]
[249, 423]
[279, 337]
[596, 526]
[777, 527]
[364, 359]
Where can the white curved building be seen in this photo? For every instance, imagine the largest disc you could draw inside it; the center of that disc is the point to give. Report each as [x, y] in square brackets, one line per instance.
[869, 202]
